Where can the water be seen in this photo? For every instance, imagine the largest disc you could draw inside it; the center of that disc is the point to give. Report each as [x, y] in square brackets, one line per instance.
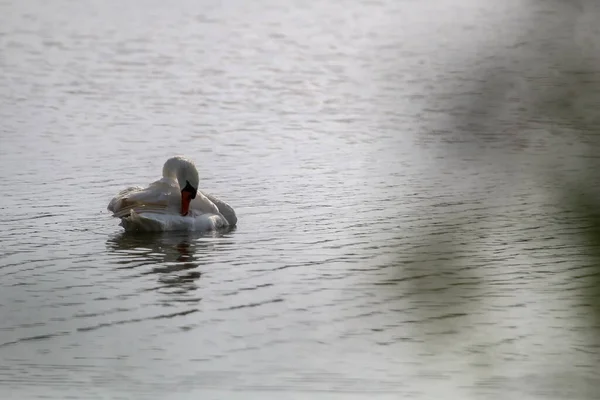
[382, 251]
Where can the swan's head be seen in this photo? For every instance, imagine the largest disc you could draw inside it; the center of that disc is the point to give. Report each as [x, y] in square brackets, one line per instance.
[189, 185]
[186, 174]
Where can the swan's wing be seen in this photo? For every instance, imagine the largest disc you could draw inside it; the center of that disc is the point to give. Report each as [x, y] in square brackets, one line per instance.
[159, 197]
[203, 205]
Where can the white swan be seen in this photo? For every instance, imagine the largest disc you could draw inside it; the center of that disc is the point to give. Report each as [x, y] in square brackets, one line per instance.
[172, 203]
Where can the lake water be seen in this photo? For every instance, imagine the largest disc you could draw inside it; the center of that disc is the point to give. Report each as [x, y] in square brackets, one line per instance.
[398, 236]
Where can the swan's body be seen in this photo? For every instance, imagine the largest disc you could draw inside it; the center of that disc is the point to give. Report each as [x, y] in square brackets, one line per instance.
[165, 205]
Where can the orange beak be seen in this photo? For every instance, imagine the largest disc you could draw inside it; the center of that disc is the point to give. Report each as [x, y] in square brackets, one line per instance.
[186, 199]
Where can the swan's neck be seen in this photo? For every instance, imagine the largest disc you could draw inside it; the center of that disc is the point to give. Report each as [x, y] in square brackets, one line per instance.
[171, 167]
[182, 170]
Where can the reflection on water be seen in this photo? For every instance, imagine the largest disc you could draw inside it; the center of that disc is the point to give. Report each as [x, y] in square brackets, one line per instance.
[172, 257]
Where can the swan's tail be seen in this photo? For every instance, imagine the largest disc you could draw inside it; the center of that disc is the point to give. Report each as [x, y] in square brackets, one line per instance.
[224, 209]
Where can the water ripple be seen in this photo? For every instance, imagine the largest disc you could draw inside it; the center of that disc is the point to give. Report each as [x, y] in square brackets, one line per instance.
[380, 253]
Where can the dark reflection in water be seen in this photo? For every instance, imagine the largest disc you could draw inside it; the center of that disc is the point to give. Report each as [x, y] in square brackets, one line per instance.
[173, 257]
[182, 247]
[160, 240]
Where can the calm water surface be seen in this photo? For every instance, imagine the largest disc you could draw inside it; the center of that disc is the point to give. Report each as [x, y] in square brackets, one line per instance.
[379, 253]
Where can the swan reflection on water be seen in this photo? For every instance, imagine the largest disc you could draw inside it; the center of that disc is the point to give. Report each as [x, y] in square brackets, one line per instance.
[174, 258]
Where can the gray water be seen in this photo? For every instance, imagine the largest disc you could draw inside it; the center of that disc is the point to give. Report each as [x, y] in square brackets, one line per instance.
[384, 249]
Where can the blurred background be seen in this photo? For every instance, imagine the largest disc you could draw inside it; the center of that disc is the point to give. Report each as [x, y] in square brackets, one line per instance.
[414, 181]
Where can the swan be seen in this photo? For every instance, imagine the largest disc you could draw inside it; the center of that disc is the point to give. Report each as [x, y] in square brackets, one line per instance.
[172, 203]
